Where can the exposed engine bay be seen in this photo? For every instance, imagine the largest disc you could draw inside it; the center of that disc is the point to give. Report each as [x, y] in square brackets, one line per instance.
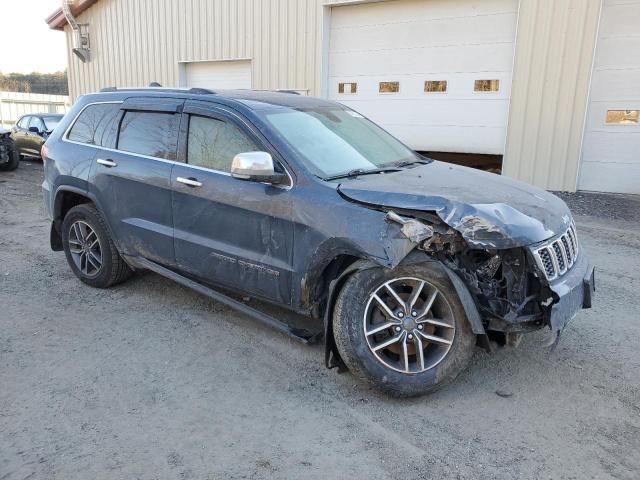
[510, 292]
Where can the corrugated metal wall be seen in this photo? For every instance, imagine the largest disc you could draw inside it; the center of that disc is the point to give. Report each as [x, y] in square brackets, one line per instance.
[137, 42]
[552, 70]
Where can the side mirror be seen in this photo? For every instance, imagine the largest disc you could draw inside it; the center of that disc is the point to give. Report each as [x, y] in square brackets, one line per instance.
[255, 167]
[34, 129]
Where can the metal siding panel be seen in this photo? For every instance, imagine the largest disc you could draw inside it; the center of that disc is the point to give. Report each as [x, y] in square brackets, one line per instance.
[554, 48]
[142, 41]
[553, 105]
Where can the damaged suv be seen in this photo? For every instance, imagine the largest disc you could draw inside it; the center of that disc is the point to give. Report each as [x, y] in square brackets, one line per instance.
[406, 263]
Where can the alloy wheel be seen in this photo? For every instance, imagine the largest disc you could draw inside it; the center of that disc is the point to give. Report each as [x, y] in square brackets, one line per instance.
[409, 325]
[85, 249]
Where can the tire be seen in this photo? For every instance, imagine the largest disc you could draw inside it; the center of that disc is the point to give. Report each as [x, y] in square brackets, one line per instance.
[395, 370]
[112, 268]
[7, 148]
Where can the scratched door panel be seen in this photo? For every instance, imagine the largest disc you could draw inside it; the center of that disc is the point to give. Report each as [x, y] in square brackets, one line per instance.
[233, 233]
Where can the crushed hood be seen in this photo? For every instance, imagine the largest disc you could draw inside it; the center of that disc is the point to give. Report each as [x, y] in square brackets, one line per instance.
[489, 211]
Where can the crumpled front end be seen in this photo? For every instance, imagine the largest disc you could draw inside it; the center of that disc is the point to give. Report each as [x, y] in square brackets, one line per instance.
[491, 231]
[517, 289]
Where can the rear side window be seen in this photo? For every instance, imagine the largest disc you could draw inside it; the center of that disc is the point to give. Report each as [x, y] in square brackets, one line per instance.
[96, 125]
[51, 122]
[213, 143]
[149, 133]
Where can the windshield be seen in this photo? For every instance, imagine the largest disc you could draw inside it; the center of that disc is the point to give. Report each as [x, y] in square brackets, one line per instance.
[334, 141]
[51, 122]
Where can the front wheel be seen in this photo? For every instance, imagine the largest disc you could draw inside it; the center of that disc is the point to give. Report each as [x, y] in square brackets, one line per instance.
[8, 155]
[405, 330]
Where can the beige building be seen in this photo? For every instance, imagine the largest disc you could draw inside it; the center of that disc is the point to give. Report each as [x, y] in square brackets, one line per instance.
[551, 88]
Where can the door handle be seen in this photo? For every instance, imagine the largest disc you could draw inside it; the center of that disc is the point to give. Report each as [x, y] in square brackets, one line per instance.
[106, 162]
[192, 182]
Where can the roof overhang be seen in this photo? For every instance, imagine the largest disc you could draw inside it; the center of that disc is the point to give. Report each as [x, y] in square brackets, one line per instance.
[56, 20]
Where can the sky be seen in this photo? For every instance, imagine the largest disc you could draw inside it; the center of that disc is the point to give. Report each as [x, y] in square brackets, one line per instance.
[28, 45]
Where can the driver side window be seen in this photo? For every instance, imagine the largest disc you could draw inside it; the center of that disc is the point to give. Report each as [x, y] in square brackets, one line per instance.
[37, 122]
[213, 143]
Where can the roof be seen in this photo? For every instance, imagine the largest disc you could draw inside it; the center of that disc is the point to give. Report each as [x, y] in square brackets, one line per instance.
[56, 20]
[42, 114]
[255, 99]
[249, 99]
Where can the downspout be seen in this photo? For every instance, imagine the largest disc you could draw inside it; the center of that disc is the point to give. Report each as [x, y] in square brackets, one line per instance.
[80, 39]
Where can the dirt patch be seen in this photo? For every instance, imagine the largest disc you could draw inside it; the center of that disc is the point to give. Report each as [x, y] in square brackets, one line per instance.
[150, 380]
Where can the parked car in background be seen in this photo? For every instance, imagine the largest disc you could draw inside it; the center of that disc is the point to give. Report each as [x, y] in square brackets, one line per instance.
[32, 130]
[405, 262]
[9, 158]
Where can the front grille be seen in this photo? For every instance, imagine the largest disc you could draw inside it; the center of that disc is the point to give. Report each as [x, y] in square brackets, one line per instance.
[558, 255]
[547, 263]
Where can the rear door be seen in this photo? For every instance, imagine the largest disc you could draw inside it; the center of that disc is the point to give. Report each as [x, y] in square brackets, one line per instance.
[132, 182]
[229, 232]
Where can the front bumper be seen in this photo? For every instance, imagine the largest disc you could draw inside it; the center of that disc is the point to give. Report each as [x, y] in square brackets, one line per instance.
[572, 292]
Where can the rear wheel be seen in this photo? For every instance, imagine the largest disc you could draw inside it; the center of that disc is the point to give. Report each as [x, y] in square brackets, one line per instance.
[404, 331]
[89, 249]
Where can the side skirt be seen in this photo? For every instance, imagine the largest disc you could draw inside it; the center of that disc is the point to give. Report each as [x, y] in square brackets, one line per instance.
[305, 336]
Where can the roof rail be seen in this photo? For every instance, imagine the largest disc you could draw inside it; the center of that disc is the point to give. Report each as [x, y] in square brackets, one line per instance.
[277, 90]
[196, 90]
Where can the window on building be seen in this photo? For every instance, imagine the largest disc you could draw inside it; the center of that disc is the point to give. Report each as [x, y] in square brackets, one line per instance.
[435, 86]
[486, 85]
[149, 133]
[347, 88]
[389, 87]
[623, 117]
[213, 143]
[96, 125]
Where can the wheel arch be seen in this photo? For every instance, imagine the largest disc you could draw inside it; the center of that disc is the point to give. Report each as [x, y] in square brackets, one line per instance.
[326, 264]
[67, 197]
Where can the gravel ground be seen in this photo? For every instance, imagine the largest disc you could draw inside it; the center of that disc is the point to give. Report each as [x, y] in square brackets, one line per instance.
[150, 380]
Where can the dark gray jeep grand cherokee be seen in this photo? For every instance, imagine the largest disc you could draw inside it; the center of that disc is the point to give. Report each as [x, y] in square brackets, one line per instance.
[304, 203]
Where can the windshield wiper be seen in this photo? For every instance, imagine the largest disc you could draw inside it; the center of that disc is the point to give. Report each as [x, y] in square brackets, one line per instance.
[356, 172]
[406, 163]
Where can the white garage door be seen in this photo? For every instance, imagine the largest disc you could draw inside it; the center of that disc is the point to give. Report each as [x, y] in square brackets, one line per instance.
[435, 73]
[611, 148]
[225, 74]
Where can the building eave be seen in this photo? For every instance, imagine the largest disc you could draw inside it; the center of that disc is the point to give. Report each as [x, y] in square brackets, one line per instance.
[57, 21]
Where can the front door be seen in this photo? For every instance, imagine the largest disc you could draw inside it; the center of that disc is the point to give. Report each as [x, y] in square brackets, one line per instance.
[229, 232]
[20, 132]
[132, 182]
